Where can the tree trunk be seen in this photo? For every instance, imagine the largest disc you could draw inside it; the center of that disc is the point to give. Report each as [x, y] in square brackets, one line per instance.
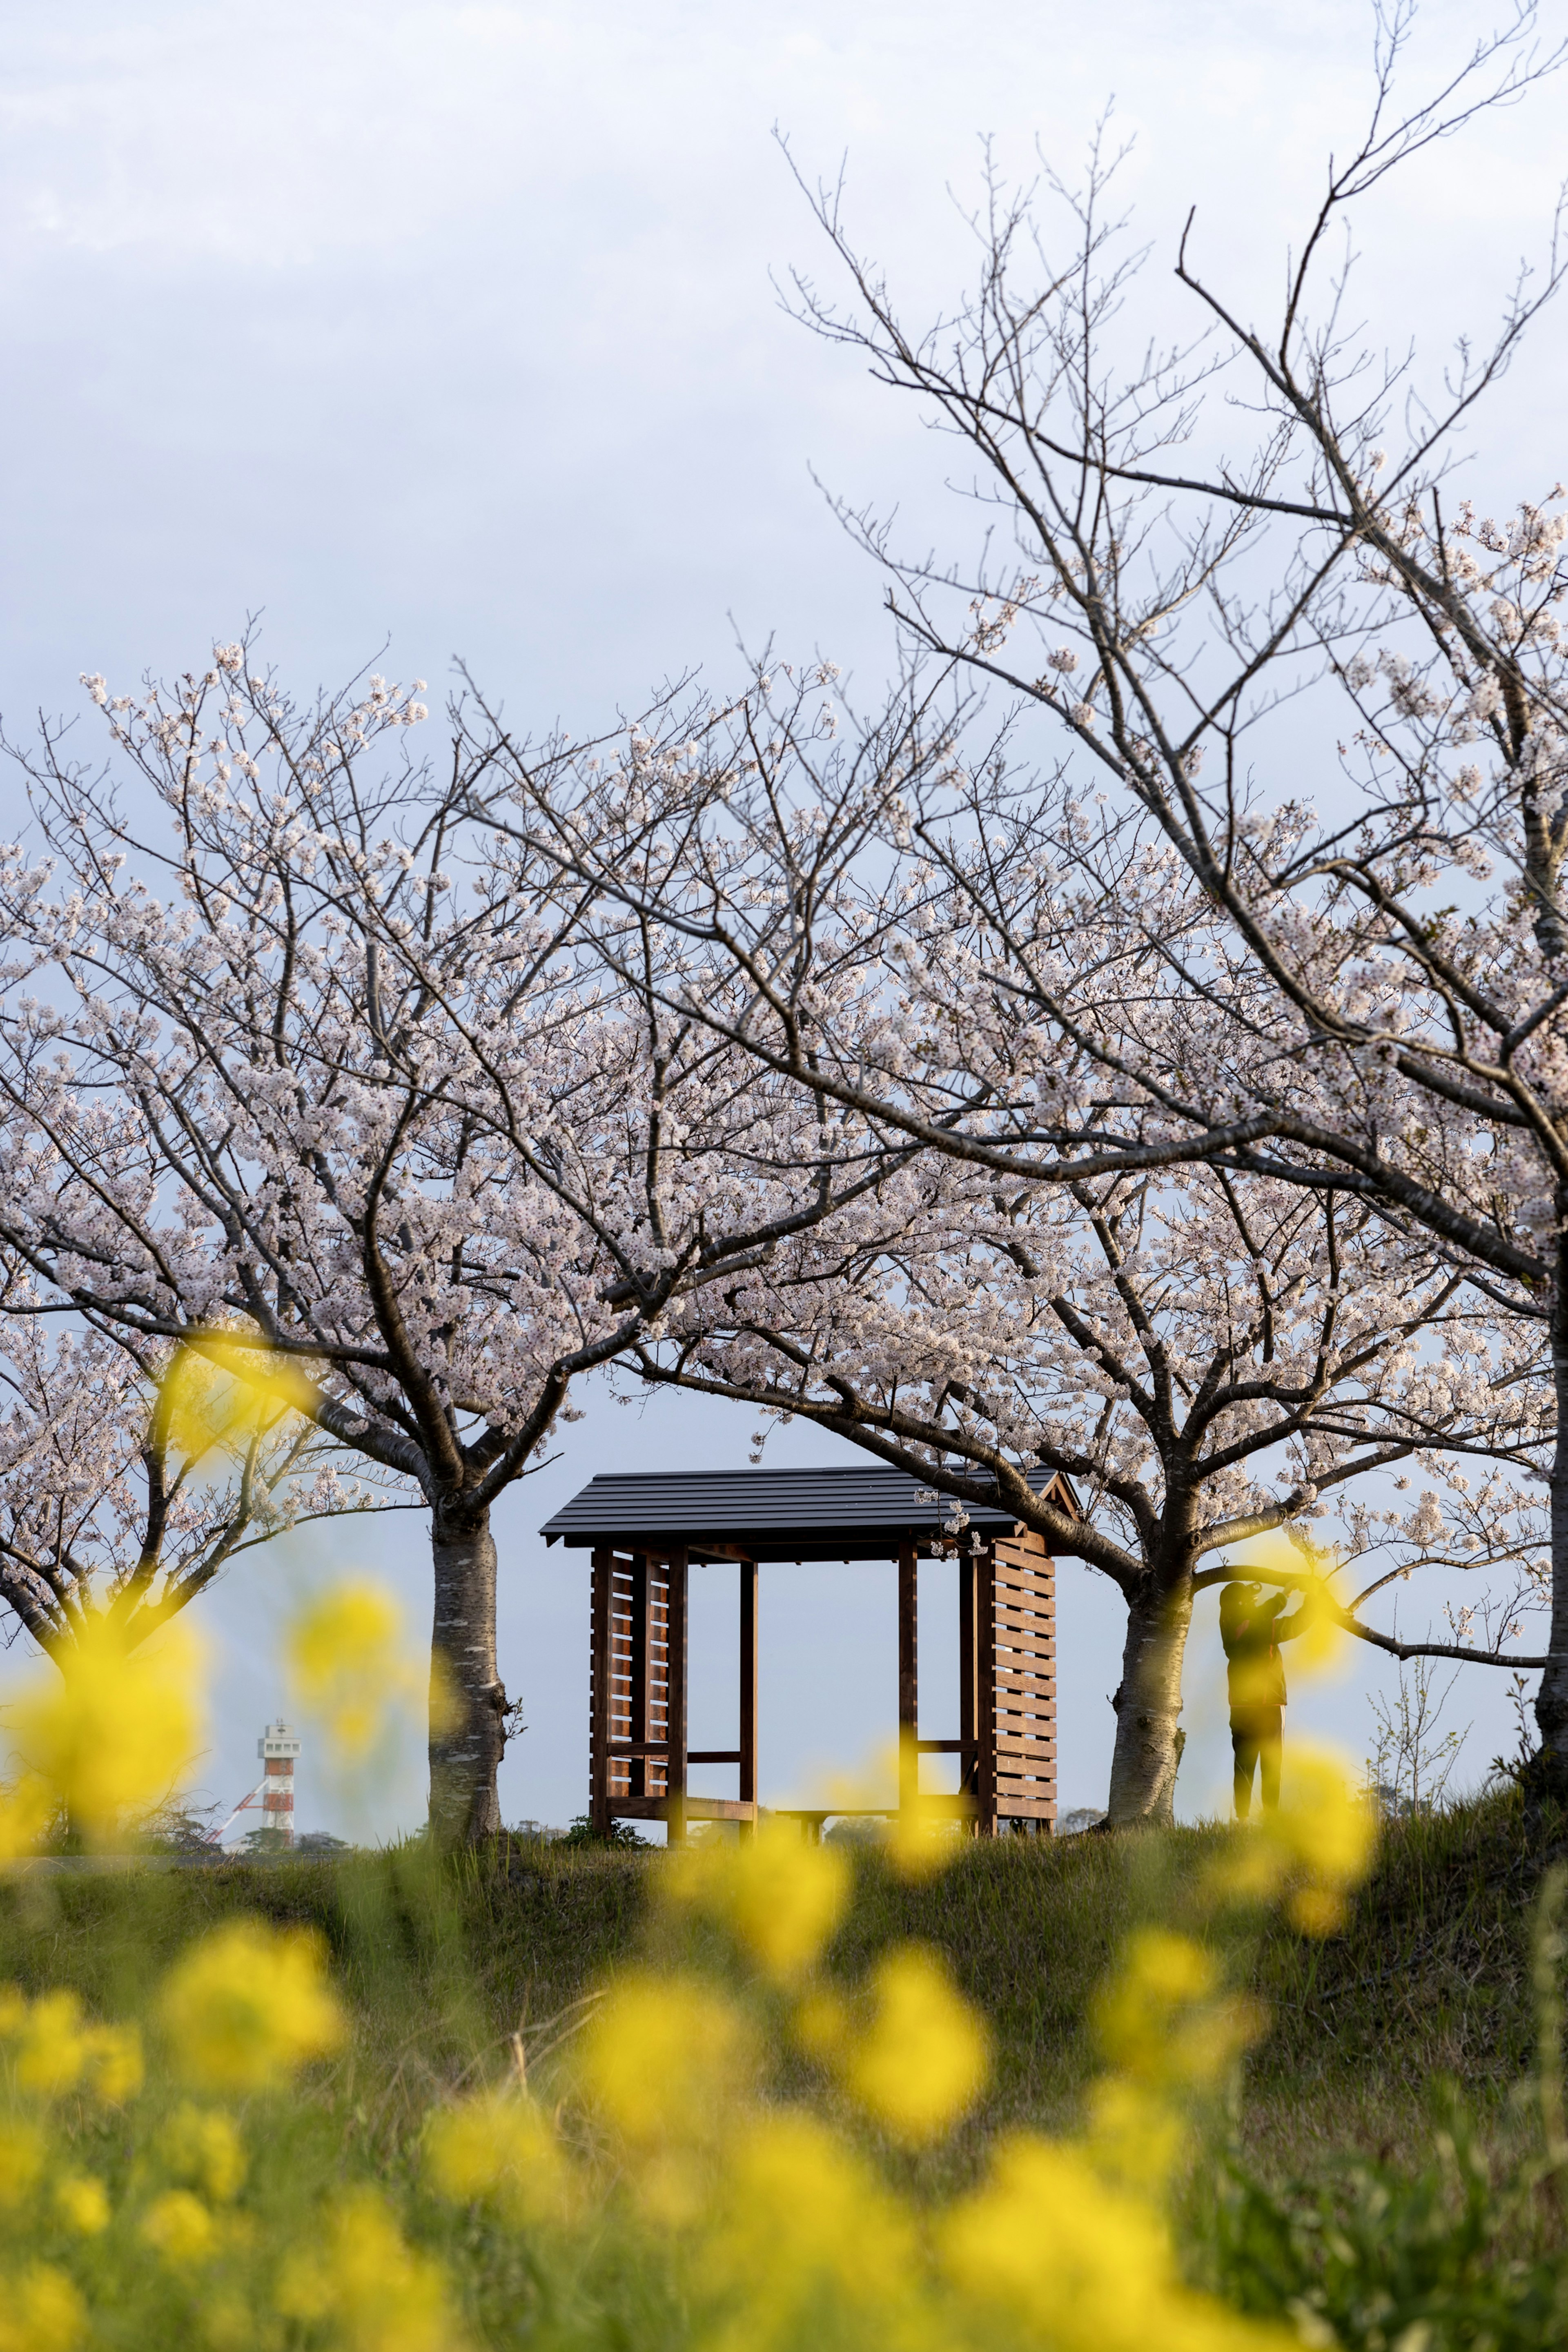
[467, 1701]
[1548, 1777]
[1148, 1740]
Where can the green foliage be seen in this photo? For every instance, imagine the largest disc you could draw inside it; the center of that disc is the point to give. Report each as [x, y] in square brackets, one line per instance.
[582, 1832]
[1375, 2256]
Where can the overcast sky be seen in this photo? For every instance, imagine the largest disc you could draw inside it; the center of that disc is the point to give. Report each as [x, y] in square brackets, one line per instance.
[453, 326]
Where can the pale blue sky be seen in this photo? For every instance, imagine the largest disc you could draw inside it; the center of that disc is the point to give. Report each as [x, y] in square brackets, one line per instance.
[452, 324]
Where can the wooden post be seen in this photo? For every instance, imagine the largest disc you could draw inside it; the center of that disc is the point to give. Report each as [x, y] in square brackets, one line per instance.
[985, 1693]
[747, 1788]
[909, 1681]
[599, 1695]
[675, 1783]
[968, 1712]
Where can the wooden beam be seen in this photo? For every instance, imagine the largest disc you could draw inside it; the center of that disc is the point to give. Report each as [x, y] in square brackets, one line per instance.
[967, 1710]
[675, 1783]
[908, 1680]
[599, 1695]
[747, 1758]
[986, 1692]
[693, 1808]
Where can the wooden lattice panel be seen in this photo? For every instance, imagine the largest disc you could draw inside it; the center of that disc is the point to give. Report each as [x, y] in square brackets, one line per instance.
[1020, 1665]
[637, 1654]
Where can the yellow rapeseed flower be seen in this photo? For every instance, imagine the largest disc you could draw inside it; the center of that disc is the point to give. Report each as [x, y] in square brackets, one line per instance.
[1314, 1847]
[666, 2060]
[780, 1897]
[1160, 2018]
[111, 1733]
[367, 2285]
[53, 2049]
[923, 1836]
[178, 2226]
[114, 2063]
[668, 2065]
[40, 2312]
[216, 1398]
[248, 2006]
[202, 2145]
[22, 2156]
[805, 2243]
[1080, 2266]
[81, 2201]
[57, 2053]
[925, 2058]
[1135, 2135]
[352, 1669]
[501, 2148]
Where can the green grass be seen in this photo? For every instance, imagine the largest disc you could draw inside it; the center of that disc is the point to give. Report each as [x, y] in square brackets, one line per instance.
[1428, 1982]
[1343, 2178]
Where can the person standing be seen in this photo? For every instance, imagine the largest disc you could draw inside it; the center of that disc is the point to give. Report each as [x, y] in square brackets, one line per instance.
[1250, 1629]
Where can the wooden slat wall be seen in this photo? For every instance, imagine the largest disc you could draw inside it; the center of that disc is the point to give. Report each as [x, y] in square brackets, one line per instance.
[629, 1648]
[1018, 1663]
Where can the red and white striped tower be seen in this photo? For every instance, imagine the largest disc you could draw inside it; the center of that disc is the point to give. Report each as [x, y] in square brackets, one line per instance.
[278, 1748]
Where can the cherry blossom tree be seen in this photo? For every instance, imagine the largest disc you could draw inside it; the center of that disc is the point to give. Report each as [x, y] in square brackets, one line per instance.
[287, 1078]
[1047, 1284]
[1311, 666]
[125, 1493]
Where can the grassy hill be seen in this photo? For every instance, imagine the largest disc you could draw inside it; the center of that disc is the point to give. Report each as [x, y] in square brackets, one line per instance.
[1347, 2201]
[1428, 1982]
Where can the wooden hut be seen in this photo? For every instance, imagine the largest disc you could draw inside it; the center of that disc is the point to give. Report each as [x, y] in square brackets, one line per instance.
[646, 1532]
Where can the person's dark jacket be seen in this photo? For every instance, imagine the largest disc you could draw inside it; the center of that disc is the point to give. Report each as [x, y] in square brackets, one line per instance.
[1250, 1629]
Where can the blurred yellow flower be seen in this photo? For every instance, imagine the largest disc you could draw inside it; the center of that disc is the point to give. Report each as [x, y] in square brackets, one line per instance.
[248, 2006]
[81, 2201]
[178, 2226]
[40, 2312]
[1135, 2135]
[109, 1734]
[501, 2148]
[1160, 2018]
[217, 1399]
[372, 2290]
[352, 1669]
[114, 2063]
[56, 2052]
[1318, 1843]
[1321, 1645]
[779, 1895]
[1083, 2266]
[925, 2058]
[822, 2025]
[202, 2145]
[52, 2053]
[923, 1836]
[666, 2060]
[22, 2155]
[805, 2234]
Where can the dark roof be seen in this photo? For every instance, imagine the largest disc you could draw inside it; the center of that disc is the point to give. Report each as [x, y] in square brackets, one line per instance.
[855, 1514]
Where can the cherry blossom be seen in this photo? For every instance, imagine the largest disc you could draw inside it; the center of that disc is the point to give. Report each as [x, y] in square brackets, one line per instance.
[287, 1069]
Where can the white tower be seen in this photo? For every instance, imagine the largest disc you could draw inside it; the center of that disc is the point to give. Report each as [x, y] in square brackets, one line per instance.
[278, 1748]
